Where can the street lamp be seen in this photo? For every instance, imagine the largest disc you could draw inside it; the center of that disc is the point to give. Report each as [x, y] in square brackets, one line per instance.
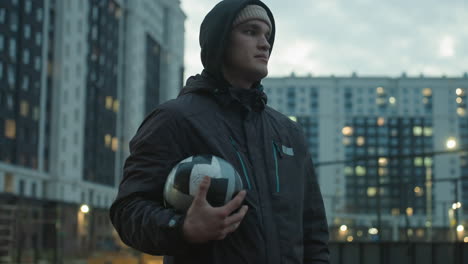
[451, 143]
[84, 208]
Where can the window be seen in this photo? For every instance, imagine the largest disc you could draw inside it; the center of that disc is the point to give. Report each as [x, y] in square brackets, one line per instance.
[33, 189]
[2, 42]
[37, 63]
[21, 187]
[1, 70]
[13, 22]
[2, 15]
[38, 38]
[24, 108]
[27, 6]
[10, 129]
[26, 57]
[8, 182]
[27, 31]
[39, 14]
[13, 49]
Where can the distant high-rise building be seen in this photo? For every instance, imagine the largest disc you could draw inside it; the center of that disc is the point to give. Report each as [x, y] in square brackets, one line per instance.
[375, 142]
[77, 78]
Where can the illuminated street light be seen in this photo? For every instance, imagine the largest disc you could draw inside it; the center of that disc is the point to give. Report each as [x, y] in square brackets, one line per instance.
[350, 238]
[451, 143]
[465, 240]
[373, 231]
[460, 228]
[84, 208]
[343, 228]
[456, 205]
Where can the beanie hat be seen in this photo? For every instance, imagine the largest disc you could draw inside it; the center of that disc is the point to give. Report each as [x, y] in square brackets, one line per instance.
[251, 12]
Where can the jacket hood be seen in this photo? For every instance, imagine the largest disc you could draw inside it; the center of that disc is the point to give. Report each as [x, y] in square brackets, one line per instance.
[215, 30]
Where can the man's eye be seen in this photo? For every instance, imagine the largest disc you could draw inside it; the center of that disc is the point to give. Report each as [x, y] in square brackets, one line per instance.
[250, 32]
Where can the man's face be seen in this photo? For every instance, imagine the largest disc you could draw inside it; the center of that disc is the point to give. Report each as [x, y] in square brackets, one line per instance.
[248, 51]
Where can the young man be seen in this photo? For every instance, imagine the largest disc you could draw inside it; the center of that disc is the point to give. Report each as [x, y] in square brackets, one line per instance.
[223, 112]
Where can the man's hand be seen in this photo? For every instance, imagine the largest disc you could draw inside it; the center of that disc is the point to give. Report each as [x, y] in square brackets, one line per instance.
[204, 222]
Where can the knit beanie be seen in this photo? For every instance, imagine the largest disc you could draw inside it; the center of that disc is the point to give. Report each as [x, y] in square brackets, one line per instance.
[251, 12]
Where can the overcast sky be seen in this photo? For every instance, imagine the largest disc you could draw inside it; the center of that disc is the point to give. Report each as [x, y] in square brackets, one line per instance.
[385, 38]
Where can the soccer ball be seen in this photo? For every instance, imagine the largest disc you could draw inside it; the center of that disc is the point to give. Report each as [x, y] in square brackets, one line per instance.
[183, 181]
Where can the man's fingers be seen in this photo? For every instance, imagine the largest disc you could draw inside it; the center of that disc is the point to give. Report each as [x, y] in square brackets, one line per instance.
[236, 218]
[203, 190]
[235, 203]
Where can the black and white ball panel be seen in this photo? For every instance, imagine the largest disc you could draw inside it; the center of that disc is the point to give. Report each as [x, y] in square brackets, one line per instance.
[184, 180]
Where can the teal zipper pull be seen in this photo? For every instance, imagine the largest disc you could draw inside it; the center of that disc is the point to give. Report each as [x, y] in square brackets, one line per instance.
[234, 144]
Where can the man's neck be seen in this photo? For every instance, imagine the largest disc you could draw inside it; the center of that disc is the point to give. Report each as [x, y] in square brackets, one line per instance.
[238, 82]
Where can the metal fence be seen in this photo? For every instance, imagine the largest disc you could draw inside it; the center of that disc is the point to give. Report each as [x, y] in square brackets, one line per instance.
[398, 253]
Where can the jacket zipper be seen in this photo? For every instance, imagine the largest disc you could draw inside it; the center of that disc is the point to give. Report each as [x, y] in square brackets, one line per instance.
[242, 163]
[276, 152]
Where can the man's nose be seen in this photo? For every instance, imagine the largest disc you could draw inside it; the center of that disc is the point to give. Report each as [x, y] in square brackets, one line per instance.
[264, 44]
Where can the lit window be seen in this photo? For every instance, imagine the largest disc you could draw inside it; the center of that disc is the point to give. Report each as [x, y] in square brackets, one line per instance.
[427, 92]
[428, 161]
[460, 92]
[347, 131]
[24, 108]
[8, 182]
[461, 111]
[360, 141]
[383, 162]
[115, 144]
[395, 211]
[383, 172]
[107, 140]
[409, 211]
[392, 100]
[459, 100]
[418, 191]
[116, 105]
[10, 129]
[428, 131]
[371, 191]
[380, 121]
[108, 102]
[417, 130]
[418, 161]
[360, 170]
[380, 90]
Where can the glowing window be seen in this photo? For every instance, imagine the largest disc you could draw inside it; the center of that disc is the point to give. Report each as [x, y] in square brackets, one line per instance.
[360, 171]
[392, 100]
[418, 161]
[109, 102]
[428, 131]
[116, 105]
[461, 111]
[360, 141]
[380, 90]
[417, 130]
[347, 131]
[460, 92]
[428, 161]
[24, 108]
[348, 171]
[115, 144]
[371, 191]
[383, 162]
[107, 140]
[10, 129]
[427, 91]
[380, 121]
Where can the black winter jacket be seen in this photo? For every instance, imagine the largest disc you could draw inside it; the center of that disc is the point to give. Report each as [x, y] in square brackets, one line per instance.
[286, 220]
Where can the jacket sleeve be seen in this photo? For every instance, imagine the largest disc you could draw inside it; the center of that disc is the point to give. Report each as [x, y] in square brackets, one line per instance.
[138, 214]
[315, 222]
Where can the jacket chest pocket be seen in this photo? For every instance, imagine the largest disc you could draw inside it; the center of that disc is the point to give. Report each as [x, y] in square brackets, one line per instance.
[286, 168]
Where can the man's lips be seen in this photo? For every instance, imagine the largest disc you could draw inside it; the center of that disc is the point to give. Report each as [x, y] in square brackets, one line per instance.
[262, 57]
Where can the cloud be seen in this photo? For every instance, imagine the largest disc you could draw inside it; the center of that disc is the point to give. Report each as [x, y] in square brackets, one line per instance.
[339, 37]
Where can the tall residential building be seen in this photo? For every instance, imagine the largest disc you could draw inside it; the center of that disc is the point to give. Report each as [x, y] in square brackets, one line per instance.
[77, 78]
[380, 146]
